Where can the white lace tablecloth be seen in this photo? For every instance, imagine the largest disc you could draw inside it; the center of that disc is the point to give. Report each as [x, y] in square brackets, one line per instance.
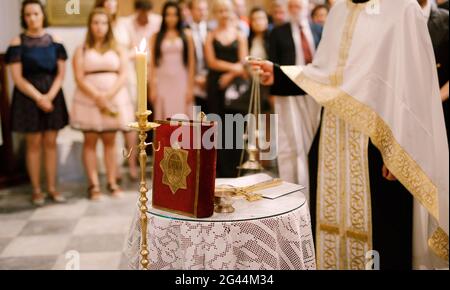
[263, 235]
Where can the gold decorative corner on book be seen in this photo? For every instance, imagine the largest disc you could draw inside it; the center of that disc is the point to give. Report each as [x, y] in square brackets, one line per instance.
[175, 168]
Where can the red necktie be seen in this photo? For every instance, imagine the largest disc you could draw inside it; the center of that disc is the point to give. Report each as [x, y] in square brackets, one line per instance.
[305, 47]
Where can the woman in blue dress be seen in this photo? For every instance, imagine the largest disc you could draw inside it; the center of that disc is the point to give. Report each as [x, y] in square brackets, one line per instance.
[37, 63]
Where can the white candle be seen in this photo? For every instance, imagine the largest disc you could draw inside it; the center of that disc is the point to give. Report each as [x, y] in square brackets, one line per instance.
[141, 71]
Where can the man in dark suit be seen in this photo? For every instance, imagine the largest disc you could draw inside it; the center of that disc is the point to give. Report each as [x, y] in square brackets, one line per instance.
[295, 43]
[438, 26]
[284, 49]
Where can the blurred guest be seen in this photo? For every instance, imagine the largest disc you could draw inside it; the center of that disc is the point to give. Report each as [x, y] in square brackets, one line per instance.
[121, 35]
[185, 12]
[226, 49]
[319, 14]
[199, 28]
[172, 66]
[110, 6]
[330, 3]
[259, 33]
[101, 104]
[240, 9]
[37, 61]
[259, 45]
[295, 44]
[123, 39]
[143, 24]
[278, 13]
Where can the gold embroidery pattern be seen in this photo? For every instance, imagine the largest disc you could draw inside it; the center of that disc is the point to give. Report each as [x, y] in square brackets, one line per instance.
[357, 182]
[358, 250]
[398, 161]
[175, 168]
[439, 243]
[328, 225]
[342, 206]
[395, 157]
[339, 195]
[340, 191]
[347, 35]
[368, 122]
[331, 200]
[359, 200]
[330, 250]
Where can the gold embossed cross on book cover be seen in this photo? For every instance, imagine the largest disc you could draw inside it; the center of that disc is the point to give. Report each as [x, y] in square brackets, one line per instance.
[184, 168]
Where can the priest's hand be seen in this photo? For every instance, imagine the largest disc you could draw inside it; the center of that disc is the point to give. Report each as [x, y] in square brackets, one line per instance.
[388, 175]
[266, 71]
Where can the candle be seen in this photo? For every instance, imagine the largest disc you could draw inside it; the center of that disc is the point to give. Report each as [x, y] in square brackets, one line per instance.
[141, 71]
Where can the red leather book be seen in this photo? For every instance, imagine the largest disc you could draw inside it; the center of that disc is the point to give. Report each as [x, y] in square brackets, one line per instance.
[184, 169]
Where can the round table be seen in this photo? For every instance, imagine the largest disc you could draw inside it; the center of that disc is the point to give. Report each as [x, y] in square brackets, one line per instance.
[263, 235]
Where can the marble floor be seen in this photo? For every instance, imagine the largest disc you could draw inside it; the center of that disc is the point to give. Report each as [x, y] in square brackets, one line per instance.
[77, 235]
[80, 234]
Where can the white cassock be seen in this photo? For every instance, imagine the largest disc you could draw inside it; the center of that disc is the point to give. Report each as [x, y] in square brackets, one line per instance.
[298, 122]
[375, 74]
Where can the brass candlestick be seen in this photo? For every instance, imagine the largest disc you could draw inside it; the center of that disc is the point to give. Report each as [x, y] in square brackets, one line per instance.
[143, 126]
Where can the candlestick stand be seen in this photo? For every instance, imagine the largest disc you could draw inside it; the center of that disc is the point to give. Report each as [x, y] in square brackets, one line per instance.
[143, 126]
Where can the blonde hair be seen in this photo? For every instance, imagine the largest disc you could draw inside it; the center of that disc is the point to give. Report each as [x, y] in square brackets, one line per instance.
[221, 3]
[109, 42]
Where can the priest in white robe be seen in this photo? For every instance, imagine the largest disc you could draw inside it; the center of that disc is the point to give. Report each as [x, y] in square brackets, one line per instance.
[383, 138]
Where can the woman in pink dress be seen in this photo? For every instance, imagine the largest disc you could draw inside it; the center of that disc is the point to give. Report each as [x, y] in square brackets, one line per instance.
[172, 67]
[101, 105]
[123, 38]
